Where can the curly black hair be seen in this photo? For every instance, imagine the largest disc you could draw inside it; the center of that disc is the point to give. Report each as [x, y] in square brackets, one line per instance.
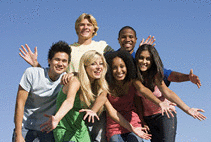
[129, 62]
[60, 46]
[126, 27]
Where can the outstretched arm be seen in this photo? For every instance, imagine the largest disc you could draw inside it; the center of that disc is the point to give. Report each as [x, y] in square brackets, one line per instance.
[29, 56]
[170, 95]
[181, 77]
[165, 108]
[117, 117]
[71, 90]
[19, 110]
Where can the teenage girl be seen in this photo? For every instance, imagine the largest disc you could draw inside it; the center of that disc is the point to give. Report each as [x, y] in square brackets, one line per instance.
[150, 73]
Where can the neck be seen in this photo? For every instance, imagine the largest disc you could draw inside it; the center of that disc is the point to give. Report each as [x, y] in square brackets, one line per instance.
[52, 76]
[83, 41]
[131, 51]
[144, 73]
[119, 83]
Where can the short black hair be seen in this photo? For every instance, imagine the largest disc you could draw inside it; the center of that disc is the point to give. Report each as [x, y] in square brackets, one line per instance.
[60, 46]
[127, 58]
[126, 27]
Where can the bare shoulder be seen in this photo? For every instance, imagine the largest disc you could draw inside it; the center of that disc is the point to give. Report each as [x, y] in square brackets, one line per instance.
[73, 83]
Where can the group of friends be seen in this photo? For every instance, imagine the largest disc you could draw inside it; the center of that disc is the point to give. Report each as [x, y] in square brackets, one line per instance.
[91, 93]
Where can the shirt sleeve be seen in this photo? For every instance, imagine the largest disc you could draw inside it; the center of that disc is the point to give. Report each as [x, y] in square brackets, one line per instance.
[166, 75]
[108, 49]
[26, 80]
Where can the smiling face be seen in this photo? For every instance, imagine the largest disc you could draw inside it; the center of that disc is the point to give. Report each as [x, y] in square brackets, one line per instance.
[95, 69]
[144, 61]
[85, 29]
[58, 64]
[119, 69]
[127, 40]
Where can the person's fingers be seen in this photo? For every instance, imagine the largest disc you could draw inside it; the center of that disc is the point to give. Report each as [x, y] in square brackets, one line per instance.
[24, 53]
[191, 72]
[46, 115]
[166, 111]
[24, 49]
[151, 40]
[44, 124]
[35, 50]
[28, 48]
[97, 117]
[141, 42]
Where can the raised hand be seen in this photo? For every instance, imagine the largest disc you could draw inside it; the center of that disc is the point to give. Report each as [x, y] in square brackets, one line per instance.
[150, 40]
[142, 133]
[50, 124]
[195, 113]
[90, 114]
[29, 56]
[194, 78]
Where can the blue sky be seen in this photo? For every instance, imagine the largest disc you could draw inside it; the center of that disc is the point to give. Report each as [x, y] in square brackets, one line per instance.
[181, 28]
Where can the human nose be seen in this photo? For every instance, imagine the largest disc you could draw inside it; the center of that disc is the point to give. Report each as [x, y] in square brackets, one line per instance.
[60, 62]
[85, 26]
[118, 69]
[127, 38]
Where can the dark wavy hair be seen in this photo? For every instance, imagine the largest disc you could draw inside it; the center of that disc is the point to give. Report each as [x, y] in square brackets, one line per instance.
[127, 58]
[126, 27]
[59, 46]
[156, 68]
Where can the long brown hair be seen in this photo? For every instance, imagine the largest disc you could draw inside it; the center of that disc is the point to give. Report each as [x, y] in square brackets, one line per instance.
[156, 67]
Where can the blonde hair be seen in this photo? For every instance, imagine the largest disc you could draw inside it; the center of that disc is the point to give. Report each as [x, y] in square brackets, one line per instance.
[90, 18]
[91, 91]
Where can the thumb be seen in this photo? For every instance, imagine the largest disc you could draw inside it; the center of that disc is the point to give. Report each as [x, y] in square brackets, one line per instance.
[191, 72]
[141, 42]
[35, 50]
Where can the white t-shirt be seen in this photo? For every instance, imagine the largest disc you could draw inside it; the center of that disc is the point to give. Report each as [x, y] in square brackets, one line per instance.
[79, 50]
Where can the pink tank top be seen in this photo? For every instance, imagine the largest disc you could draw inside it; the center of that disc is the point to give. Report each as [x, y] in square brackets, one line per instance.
[149, 107]
[125, 106]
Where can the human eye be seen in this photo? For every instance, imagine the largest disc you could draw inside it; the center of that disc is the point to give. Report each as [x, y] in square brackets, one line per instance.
[64, 60]
[122, 66]
[141, 58]
[130, 36]
[114, 67]
[148, 58]
[89, 25]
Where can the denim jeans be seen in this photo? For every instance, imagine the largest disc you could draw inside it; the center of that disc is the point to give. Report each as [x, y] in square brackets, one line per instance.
[98, 129]
[35, 136]
[162, 128]
[127, 137]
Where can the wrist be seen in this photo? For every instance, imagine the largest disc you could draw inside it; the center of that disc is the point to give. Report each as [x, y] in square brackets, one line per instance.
[36, 64]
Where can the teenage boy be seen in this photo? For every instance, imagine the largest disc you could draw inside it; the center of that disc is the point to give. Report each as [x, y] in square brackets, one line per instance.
[37, 95]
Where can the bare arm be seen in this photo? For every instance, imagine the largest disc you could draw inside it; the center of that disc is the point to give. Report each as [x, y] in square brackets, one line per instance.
[149, 95]
[22, 96]
[29, 56]
[117, 117]
[170, 95]
[71, 90]
[181, 77]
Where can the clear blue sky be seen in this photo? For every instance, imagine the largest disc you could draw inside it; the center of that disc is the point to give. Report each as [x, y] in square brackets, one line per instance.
[181, 28]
